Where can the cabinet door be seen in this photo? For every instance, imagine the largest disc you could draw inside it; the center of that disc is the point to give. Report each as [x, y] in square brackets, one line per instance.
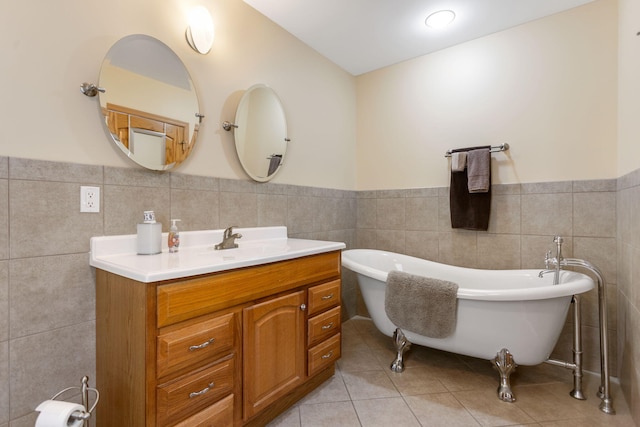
[274, 350]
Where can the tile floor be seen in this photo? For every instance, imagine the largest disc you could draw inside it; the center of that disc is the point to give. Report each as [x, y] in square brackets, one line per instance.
[442, 389]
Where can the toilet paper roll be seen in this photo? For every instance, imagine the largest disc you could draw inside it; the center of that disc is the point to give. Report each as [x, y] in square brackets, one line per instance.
[57, 413]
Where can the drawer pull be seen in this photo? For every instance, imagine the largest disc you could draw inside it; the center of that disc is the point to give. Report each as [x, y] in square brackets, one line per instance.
[327, 326]
[201, 392]
[328, 355]
[203, 345]
[326, 297]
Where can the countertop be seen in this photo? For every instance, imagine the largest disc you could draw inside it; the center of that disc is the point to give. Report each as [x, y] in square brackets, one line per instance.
[259, 245]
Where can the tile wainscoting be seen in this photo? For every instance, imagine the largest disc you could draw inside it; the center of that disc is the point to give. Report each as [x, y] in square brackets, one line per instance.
[47, 287]
[600, 220]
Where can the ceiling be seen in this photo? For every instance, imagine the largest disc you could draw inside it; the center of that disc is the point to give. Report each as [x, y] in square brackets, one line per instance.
[364, 35]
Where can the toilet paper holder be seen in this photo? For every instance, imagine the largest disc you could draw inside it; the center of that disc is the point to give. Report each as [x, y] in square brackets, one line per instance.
[84, 390]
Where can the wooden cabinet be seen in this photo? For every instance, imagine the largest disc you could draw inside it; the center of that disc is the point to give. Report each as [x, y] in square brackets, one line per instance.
[234, 348]
[274, 359]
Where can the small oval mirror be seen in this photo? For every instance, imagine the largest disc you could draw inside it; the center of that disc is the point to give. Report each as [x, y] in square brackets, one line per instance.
[150, 104]
[261, 132]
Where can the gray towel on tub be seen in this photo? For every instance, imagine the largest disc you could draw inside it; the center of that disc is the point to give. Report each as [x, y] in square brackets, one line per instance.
[420, 304]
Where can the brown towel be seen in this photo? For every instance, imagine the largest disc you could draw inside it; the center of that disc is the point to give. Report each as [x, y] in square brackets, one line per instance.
[469, 211]
[479, 170]
[420, 304]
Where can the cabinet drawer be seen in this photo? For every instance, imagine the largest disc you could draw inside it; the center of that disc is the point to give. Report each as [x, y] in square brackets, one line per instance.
[217, 415]
[195, 344]
[324, 354]
[323, 325]
[324, 296]
[188, 395]
[187, 299]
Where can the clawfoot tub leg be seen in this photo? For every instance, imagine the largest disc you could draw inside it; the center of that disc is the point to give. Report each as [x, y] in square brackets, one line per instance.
[402, 345]
[505, 365]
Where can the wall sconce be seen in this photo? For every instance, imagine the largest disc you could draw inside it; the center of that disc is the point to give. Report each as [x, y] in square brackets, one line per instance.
[200, 32]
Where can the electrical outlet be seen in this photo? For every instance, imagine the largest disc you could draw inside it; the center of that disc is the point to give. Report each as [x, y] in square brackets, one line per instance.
[89, 199]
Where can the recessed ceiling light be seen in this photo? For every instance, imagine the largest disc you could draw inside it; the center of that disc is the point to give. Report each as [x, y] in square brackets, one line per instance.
[440, 19]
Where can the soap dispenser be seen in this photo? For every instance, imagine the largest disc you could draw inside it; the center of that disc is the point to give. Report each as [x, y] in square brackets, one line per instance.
[174, 237]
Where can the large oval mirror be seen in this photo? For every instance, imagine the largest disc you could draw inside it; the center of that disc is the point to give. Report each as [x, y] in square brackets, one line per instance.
[261, 132]
[149, 102]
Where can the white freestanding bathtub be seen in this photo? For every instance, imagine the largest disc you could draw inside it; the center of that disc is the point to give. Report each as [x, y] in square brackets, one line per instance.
[512, 309]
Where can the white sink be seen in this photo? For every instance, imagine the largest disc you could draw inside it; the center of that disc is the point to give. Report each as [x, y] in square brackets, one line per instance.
[259, 245]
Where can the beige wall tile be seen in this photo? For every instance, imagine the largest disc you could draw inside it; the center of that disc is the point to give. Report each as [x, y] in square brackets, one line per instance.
[238, 209]
[43, 170]
[326, 213]
[422, 244]
[547, 214]
[196, 209]
[45, 219]
[422, 213]
[594, 214]
[194, 182]
[45, 363]
[633, 232]
[547, 187]
[4, 167]
[300, 214]
[136, 177]
[391, 240]
[498, 251]
[594, 185]
[272, 209]
[390, 213]
[124, 207]
[444, 212]
[458, 248]
[601, 252]
[237, 186]
[347, 213]
[4, 382]
[4, 301]
[366, 213]
[505, 216]
[366, 239]
[4, 219]
[61, 287]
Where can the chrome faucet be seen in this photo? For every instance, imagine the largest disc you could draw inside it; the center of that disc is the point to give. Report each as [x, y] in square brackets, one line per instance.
[556, 262]
[228, 239]
[606, 404]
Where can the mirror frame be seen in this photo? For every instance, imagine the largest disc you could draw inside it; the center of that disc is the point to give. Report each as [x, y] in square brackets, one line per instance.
[148, 88]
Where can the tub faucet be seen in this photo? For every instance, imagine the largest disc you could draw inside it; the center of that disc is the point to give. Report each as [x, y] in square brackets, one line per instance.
[556, 262]
[228, 239]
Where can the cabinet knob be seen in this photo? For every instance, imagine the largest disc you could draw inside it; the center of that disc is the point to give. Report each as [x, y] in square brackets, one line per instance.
[303, 307]
[328, 296]
[328, 355]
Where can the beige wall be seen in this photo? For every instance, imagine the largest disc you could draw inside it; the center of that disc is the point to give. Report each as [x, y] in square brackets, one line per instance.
[46, 117]
[629, 87]
[548, 88]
